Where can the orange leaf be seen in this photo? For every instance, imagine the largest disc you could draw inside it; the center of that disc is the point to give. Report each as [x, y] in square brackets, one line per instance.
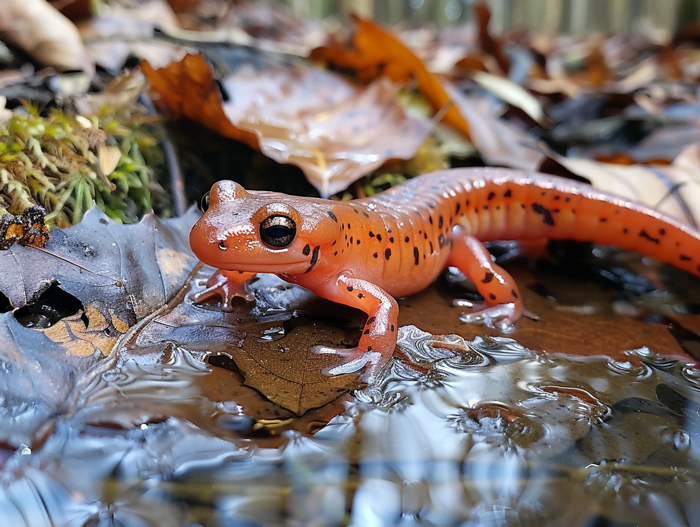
[378, 52]
[188, 89]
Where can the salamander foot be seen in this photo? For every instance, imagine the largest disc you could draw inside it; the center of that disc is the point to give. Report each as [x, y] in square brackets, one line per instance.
[356, 359]
[501, 316]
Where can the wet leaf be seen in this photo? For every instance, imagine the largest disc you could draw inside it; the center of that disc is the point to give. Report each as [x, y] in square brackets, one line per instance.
[333, 130]
[377, 52]
[113, 275]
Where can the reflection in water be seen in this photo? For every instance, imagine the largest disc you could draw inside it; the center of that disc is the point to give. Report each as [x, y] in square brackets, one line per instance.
[455, 433]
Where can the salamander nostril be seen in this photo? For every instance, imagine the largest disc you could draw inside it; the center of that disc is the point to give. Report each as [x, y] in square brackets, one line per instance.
[222, 245]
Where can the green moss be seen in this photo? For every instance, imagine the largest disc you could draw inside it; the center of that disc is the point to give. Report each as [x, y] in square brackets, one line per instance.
[54, 161]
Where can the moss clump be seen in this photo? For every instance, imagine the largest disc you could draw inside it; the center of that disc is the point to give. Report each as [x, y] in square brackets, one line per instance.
[65, 163]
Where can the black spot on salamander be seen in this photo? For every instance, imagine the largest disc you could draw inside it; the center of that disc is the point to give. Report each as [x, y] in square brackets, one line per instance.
[557, 198]
[334, 242]
[369, 348]
[457, 208]
[356, 211]
[662, 231]
[371, 320]
[490, 196]
[492, 296]
[358, 242]
[543, 193]
[416, 255]
[393, 328]
[335, 253]
[371, 234]
[387, 253]
[441, 241]
[407, 239]
[376, 255]
[487, 278]
[603, 220]
[430, 219]
[351, 241]
[512, 292]
[645, 234]
[625, 230]
[685, 258]
[567, 199]
[348, 225]
[360, 295]
[379, 237]
[366, 332]
[546, 213]
[507, 194]
[332, 216]
[467, 203]
[306, 250]
[314, 259]
[365, 214]
[486, 207]
[425, 236]
[350, 288]
[388, 230]
[440, 222]
[431, 248]
[391, 239]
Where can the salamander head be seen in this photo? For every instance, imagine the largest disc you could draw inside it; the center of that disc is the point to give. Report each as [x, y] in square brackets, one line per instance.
[264, 232]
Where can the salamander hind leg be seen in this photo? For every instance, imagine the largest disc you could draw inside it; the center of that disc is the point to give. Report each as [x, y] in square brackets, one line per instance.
[225, 286]
[378, 338]
[503, 305]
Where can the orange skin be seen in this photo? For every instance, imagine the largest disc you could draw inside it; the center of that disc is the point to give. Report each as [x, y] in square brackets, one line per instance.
[365, 252]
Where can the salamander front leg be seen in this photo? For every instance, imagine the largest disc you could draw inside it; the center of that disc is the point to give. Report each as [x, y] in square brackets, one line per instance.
[378, 338]
[225, 286]
[501, 296]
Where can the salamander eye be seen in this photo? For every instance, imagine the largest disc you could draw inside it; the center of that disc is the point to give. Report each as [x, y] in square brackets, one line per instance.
[204, 205]
[278, 231]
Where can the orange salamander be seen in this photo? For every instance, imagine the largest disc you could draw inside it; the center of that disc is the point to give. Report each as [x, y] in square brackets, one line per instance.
[365, 252]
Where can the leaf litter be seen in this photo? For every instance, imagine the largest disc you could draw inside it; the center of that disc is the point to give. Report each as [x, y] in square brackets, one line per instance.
[136, 387]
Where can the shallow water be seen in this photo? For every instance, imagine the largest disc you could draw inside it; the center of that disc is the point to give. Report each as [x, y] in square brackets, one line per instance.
[454, 433]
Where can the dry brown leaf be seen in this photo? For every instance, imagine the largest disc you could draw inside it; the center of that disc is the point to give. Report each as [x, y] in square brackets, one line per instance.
[488, 43]
[46, 35]
[510, 92]
[378, 52]
[500, 143]
[333, 130]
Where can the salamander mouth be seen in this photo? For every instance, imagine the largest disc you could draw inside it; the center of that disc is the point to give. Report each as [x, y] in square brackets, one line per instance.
[255, 267]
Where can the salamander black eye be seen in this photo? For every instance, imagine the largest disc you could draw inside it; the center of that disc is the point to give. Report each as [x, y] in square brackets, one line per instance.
[278, 231]
[204, 205]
